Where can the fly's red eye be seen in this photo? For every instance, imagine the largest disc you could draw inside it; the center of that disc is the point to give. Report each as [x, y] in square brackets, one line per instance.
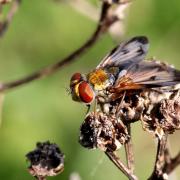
[76, 78]
[86, 93]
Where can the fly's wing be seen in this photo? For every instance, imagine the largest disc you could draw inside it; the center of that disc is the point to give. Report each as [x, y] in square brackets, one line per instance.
[126, 54]
[147, 74]
[155, 74]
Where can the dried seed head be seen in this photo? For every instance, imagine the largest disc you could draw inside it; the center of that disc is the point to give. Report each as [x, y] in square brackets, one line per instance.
[46, 160]
[103, 132]
[170, 111]
[164, 116]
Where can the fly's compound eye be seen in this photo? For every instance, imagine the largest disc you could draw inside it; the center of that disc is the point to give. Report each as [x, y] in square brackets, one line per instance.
[75, 79]
[86, 93]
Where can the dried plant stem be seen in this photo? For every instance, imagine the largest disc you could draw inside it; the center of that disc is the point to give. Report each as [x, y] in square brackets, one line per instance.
[101, 28]
[4, 25]
[41, 178]
[124, 1]
[120, 165]
[160, 159]
[172, 164]
[129, 151]
[164, 163]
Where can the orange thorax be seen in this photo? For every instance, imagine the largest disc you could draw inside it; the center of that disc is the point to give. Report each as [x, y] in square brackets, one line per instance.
[98, 78]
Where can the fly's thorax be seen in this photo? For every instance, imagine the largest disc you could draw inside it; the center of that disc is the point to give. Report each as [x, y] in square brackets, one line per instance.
[100, 79]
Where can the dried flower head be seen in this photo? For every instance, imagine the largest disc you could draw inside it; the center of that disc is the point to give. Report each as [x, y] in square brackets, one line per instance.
[170, 111]
[46, 160]
[102, 131]
[163, 113]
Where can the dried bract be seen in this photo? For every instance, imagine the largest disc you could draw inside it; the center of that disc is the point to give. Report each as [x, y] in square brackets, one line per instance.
[102, 131]
[46, 160]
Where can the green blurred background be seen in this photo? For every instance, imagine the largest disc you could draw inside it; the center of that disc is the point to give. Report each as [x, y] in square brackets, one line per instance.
[43, 32]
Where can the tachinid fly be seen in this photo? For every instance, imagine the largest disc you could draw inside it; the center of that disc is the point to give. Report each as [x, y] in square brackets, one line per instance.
[122, 70]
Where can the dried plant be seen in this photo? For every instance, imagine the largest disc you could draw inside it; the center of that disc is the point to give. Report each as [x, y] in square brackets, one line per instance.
[124, 93]
[46, 160]
[126, 88]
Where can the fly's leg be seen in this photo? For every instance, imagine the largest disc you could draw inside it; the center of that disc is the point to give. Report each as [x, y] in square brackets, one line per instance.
[120, 104]
[88, 108]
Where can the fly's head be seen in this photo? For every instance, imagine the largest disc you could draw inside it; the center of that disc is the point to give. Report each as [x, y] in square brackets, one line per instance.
[81, 90]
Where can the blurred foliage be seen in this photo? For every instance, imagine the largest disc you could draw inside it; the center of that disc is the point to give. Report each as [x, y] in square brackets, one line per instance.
[43, 32]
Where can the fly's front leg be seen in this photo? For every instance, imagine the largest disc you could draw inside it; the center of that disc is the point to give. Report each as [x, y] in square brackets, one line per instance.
[88, 108]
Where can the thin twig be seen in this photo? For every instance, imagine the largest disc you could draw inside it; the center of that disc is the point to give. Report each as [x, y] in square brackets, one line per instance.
[129, 151]
[160, 159]
[101, 28]
[5, 24]
[85, 8]
[172, 164]
[164, 163]
[120, 165]
[41, 178]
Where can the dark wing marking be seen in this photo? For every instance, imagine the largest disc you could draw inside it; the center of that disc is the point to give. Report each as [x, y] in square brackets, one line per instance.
[126, 54]
[148, 74]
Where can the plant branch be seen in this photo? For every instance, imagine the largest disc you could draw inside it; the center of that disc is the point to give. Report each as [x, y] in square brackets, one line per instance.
[5, 24]
[102, 26]
[164, 163]
[41, 178]
[172, 164]
[160, 159]
[129, 151]
[120, 165]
